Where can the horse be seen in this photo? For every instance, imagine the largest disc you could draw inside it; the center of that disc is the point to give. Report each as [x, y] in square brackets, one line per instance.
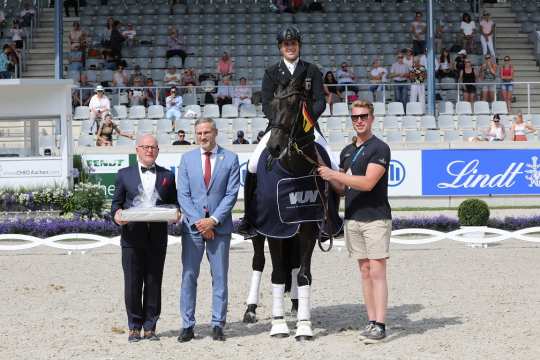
[291, 149]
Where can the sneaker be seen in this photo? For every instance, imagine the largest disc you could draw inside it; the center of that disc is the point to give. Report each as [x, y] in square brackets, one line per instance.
[367, 330]
[376, 334]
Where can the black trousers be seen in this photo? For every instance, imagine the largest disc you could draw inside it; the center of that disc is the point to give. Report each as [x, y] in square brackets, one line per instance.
[143, 273]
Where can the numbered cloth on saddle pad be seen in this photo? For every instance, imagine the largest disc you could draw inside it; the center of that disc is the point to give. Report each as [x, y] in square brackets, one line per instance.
[282, 201]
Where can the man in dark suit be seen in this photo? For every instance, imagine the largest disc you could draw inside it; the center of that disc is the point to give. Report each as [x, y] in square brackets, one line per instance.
[144, 244]
[208, 185]
[290, 66]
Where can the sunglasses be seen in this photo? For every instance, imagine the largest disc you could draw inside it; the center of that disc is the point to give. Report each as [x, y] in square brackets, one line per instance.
[363, 117]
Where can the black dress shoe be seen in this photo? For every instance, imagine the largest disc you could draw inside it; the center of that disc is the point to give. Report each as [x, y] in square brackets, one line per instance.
[134, 335]
[217, 333]
[186, 335]
[150, 335]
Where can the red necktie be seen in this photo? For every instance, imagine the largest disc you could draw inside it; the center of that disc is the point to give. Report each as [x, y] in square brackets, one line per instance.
[207, 169]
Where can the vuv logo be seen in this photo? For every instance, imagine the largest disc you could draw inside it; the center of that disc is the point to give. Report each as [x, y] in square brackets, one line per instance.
[302, 197]
[396, 173]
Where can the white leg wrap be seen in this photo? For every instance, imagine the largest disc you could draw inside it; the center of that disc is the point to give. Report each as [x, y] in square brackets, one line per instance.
[294, 283]
[279, 326]
[253, 296]
[304, 303]
[278, 291]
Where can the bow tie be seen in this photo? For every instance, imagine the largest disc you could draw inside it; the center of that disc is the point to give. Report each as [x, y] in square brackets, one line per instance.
[151, 169]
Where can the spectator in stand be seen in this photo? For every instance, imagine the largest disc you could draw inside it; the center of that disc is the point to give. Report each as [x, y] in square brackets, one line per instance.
[77, 38]
[439, 31]
[176, 46]
[120, 76]
[242, 93]
[130, 35]
[82, 96]
[408, 58]
[116, 41]
[106, 34]
[99, 106]
[331, 90]
[418, 33]
[5, 64]
[173, 104]
[520, 129]
[225, 66]
[507, 77]
[136, 75]
[467, 77]
[377, 76]
[189, 78]
[240, 138]
[110, 62]
[260, 135]
[75, 59]
[136, 93]
[27, 14]
[225, 93]
[2, 23]
[487, 28]
[445, 68]
[488, 75]
[399, 73]
[151, 94]
[418, 75]
[346, 76]
[106, 130]
[172, 77]
[460, 60]
[181, 138]
[495, 131]
[17, 35]
[468, 28]
[71, 3]
[13, 57]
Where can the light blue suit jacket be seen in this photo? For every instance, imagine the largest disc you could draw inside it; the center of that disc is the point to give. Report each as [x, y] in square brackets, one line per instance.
[219, 198]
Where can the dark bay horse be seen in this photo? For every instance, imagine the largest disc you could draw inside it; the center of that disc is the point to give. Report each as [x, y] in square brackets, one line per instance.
[291, 149]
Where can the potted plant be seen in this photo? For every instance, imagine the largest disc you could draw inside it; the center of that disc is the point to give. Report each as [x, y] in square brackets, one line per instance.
[473, 215]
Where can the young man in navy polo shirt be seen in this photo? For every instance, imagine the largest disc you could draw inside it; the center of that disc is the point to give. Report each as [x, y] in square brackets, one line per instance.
[368, 218]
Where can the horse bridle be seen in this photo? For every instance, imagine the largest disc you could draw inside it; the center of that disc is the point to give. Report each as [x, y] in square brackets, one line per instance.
[293, 146]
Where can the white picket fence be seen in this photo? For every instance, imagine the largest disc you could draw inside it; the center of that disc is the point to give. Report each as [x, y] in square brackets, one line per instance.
[414, 236]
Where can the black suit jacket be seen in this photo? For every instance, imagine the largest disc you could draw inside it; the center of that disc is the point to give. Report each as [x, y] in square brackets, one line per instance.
[279, 74]
[143, 234]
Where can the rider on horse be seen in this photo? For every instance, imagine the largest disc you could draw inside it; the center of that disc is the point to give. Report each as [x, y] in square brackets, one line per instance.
[289, 67]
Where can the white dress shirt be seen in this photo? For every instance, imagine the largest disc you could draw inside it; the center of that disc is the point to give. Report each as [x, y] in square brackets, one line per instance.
[291, 66]
[212, 167]
[148, 181]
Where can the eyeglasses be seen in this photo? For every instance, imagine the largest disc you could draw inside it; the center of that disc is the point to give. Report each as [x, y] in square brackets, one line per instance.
[487, 57]
[363, 117]
[148, 147]
[181, 135]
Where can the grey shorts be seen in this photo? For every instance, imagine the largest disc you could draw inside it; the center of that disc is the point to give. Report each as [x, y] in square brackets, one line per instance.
[368, 240]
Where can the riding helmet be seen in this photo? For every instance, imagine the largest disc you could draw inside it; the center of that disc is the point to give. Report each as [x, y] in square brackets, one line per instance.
[290, 32]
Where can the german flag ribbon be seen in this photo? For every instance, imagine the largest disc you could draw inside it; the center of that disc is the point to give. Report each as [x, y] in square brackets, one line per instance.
[308, 122]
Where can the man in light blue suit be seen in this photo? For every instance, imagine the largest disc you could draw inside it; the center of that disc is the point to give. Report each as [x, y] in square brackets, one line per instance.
[208, 183]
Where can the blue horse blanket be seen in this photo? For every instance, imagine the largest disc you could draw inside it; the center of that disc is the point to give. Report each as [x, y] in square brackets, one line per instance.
[283, 202]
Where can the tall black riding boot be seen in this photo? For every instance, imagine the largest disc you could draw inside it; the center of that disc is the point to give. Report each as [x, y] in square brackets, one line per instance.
[246, 223]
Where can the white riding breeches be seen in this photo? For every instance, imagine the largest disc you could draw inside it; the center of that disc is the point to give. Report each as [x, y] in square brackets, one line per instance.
[254, 159]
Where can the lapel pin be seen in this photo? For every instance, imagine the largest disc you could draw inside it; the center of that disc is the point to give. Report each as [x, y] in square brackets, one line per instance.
[221, 157]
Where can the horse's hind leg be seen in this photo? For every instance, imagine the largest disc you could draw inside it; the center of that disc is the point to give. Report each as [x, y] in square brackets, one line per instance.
[307, 244]
[258, 265]
[279, 275]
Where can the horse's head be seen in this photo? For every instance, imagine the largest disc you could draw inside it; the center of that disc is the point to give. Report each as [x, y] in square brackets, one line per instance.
[286, 106]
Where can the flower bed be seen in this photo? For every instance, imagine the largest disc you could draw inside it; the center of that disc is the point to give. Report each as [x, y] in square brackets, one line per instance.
[105, 227]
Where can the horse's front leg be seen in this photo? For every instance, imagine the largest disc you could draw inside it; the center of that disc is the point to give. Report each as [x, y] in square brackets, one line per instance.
[252, 300]
[307, 244]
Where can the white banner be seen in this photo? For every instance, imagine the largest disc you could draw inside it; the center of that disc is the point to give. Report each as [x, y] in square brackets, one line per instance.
[405, 173]
[31, 168]
[105, 163]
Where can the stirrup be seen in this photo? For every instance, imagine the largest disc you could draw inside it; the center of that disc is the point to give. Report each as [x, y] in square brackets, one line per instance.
[279, 328]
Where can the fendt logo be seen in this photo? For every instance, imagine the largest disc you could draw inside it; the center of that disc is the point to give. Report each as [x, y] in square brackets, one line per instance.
[396, 173]
[302, 197]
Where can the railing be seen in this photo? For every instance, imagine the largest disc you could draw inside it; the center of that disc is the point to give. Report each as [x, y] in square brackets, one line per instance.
[383, 94]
